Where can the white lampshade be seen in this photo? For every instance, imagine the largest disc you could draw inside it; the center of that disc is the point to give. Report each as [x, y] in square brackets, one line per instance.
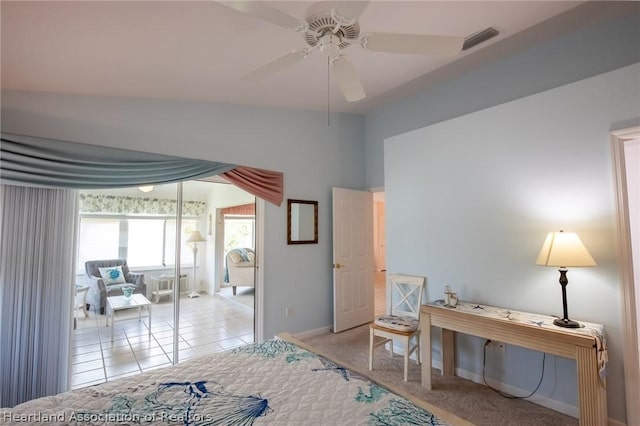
[564, 249]
[146, 188]
[196, 237]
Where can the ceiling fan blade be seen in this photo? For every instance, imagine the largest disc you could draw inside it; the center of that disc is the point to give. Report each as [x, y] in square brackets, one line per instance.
[348, 9]
[277, 65]
[265, 12]
[417, 44]
[348, 79]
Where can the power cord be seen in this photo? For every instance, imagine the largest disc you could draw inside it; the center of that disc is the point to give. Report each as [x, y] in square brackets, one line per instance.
[504, 394]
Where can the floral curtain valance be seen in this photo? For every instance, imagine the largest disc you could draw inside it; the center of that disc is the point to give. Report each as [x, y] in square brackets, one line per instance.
[118, 204]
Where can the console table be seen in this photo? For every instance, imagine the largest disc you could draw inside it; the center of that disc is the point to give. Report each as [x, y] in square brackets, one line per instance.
[586, 345]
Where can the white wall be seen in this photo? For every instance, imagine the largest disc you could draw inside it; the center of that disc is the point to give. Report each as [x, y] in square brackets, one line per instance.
[470, 201]
[313, 156]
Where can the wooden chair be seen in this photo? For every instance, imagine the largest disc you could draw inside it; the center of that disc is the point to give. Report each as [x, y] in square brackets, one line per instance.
[403, 321]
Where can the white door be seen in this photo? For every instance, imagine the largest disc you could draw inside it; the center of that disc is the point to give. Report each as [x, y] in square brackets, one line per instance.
[353, 287]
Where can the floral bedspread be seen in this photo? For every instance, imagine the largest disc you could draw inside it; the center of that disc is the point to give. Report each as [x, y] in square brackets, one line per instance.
[273, 382]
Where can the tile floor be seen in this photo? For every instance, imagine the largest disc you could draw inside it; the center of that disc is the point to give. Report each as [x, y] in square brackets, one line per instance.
[207, 324]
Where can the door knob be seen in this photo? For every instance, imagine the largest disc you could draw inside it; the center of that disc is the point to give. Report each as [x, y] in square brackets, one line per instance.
[338, 265]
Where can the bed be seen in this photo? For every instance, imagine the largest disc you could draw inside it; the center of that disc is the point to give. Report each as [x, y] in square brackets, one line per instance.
[277, 381]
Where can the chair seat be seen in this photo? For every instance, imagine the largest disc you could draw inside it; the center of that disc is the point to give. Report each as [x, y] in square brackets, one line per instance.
[399, 323]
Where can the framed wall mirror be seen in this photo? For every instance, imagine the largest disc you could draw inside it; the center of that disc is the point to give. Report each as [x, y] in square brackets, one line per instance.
[302, 222]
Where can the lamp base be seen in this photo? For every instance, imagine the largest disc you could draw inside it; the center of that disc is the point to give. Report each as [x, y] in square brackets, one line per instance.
[193, 294]
[566, 322]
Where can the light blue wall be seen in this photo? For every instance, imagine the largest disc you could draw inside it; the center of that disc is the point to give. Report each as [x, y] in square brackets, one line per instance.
[313, 156]
[470, 200]
[581, 54]
[464, 189]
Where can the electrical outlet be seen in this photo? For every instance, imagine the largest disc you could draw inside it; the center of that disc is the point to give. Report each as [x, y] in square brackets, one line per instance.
[288, 311]
[497, 347]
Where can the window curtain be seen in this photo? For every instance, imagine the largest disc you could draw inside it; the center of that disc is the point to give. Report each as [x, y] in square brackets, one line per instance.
[50, 163]
[244, 210]
[265, 184]
[38, 231]
[31, 161]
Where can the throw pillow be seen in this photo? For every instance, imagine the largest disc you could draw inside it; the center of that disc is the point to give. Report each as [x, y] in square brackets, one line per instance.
[112, 275]
[235, 256]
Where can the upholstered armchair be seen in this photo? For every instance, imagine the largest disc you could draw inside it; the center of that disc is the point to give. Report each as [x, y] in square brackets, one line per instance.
[240, 268]
[101, 287]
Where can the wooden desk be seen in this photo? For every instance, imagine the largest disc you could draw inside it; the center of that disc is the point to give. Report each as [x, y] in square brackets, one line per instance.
[586, 345]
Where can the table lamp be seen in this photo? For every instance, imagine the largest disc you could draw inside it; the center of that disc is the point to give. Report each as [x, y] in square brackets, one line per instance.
[195, 238]
[564, 249]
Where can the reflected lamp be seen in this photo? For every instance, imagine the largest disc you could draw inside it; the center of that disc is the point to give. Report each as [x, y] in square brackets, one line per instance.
[193, 240]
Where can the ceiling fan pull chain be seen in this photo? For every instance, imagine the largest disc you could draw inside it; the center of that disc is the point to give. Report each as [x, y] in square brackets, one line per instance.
[328, 91]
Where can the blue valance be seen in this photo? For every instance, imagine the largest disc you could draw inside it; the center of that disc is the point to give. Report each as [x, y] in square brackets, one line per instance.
[41, 162]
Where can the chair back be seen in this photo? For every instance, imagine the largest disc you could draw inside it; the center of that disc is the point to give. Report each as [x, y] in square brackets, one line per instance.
[92, 266]
[406, 294]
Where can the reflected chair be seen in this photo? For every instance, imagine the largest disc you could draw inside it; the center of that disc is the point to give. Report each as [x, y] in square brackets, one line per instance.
[99, 290]
[240, 268]
[402, 324]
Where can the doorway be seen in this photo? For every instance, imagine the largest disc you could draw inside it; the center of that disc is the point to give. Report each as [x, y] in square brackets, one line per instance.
[236, 252]
[626, 158]
[140, 227]
[379, 253]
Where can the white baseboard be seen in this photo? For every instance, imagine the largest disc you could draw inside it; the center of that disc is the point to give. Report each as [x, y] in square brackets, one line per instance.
[569, 410]
[311, 333]
[561, 407]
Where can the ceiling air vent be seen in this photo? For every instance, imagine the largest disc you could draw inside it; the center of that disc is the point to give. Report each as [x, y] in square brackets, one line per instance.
[479, 37]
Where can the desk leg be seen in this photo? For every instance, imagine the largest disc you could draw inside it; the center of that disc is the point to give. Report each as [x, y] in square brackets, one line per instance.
[592, 395]
[448, 352]
[111, 324]
[149, 307]
[425, 337]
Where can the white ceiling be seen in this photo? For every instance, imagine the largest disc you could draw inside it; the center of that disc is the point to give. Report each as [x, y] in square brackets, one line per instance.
[199, 50]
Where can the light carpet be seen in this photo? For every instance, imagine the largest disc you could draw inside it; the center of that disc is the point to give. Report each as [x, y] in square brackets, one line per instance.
[468, 400]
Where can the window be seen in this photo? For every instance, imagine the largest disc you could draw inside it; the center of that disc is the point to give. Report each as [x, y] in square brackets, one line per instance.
[144, 242]
[98, 239]
[186, 254]
[238, 232]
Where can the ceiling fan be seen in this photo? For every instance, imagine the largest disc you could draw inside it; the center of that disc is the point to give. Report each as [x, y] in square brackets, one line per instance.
[330, 28]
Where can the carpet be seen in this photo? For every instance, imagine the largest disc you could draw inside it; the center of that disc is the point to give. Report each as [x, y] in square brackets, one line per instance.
[468, 400]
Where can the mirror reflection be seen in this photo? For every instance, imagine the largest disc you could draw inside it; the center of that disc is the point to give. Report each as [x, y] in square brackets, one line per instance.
[302, 222]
